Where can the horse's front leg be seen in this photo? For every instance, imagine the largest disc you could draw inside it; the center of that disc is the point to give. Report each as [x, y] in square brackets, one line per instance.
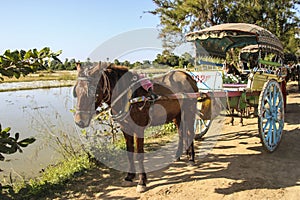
[141, 187]
[242, 115]
[130, 151]
[232, 117]
[190, 134]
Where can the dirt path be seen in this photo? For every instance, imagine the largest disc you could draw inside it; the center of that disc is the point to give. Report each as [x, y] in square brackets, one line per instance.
[236, 168]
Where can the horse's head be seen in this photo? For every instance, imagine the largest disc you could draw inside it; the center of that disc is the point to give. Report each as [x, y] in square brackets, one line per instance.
[85, 92]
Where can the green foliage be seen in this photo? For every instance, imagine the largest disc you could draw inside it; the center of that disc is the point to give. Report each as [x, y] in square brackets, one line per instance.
[178, 17]
[9, 144]
[160, 131]
[17, 63]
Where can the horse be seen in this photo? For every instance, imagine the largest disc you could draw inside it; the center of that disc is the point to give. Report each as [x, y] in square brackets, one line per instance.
[116, 86]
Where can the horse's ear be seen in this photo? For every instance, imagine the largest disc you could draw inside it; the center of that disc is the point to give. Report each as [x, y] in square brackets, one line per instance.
[78, 66]
[95, 70]
[103, 65]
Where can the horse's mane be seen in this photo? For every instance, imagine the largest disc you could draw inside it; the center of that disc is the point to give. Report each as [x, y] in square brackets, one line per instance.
[118, 67]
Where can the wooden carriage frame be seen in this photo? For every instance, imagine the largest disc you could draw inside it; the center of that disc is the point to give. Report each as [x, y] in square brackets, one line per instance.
[266, 87]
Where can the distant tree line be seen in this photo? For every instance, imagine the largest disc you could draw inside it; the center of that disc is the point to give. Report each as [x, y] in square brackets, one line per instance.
[165, 59]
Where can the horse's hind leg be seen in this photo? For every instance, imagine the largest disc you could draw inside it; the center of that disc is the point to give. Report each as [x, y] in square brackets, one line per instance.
[141, 187]
[241, 117]
[130, 150]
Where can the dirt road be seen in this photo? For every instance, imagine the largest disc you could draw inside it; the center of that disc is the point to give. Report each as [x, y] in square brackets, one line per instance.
[236, 168]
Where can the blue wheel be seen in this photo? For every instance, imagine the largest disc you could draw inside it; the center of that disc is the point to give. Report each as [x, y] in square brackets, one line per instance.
[271, 115]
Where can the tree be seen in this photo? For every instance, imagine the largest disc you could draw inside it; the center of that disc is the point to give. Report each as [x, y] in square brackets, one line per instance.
[126, 63]
[117, 62]
[178, 17]
[167, 58]
[17, 63]
[72, 64]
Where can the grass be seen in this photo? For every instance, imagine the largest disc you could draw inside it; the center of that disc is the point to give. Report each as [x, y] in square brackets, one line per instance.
[52, 178]
[44, 76]
[65, 79]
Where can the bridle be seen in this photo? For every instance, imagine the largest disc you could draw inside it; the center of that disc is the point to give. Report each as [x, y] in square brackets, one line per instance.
[91, 92]
[92, 84]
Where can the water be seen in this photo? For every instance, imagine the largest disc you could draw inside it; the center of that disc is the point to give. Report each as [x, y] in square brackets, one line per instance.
[44, 114]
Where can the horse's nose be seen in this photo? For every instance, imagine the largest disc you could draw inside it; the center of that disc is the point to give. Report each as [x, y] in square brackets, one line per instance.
[80, 124]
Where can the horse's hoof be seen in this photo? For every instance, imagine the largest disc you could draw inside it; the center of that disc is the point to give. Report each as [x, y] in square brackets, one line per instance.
[128, 183]
[177, 159]
[141, 188]
[241, 124]
[191, 163]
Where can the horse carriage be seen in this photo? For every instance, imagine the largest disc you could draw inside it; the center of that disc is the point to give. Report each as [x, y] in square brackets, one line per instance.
[259, 83]
[179, 97]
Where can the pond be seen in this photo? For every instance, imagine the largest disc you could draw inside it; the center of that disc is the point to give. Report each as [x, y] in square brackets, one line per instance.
[44, 114]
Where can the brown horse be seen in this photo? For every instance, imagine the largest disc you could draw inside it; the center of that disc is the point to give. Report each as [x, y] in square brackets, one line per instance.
[115, 86]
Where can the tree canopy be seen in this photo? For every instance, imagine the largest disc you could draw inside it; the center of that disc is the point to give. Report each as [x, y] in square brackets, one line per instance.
[181, 16]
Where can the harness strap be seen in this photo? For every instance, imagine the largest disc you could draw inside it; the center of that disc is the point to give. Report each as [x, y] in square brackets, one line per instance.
[167, 97]
[126, 91]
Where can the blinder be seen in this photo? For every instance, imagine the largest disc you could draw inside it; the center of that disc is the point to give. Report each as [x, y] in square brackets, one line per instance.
[74, 92]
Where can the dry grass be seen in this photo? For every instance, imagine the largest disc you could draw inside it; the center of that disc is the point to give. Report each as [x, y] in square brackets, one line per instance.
[44, 76]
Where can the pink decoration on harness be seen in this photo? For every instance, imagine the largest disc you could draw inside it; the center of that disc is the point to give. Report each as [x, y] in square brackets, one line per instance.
[145, 82]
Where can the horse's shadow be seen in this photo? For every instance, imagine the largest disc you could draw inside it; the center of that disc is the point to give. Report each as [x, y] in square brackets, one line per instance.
[260, 170]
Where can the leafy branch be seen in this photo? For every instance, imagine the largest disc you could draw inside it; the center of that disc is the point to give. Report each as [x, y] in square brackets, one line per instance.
[17, 63]
[9, 144]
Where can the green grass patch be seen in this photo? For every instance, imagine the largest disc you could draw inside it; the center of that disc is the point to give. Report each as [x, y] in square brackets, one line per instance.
[52, 178]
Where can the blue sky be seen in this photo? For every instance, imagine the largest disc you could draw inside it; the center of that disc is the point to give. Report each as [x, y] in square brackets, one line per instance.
[75, 26]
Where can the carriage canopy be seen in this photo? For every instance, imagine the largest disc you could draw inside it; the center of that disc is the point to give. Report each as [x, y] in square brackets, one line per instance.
[217, 40]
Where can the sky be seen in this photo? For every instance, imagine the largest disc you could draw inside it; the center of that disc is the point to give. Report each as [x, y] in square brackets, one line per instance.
[76, 27]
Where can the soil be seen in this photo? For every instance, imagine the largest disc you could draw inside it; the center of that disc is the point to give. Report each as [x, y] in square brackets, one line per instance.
[237, 167]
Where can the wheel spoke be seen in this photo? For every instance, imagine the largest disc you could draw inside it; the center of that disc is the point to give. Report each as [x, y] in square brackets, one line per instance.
[269, 101]
[270, 141]
[266, 124]
[275, 135]
[276, 94]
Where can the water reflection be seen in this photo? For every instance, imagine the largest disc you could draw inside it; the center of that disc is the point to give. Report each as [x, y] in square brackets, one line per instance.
[42, 113]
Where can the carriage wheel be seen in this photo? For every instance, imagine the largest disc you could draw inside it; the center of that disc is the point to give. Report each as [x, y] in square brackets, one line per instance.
[271, 115]
[201, 127]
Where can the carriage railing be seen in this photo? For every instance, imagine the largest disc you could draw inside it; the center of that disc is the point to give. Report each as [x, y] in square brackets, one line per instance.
[265, 71]
[268, 67]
